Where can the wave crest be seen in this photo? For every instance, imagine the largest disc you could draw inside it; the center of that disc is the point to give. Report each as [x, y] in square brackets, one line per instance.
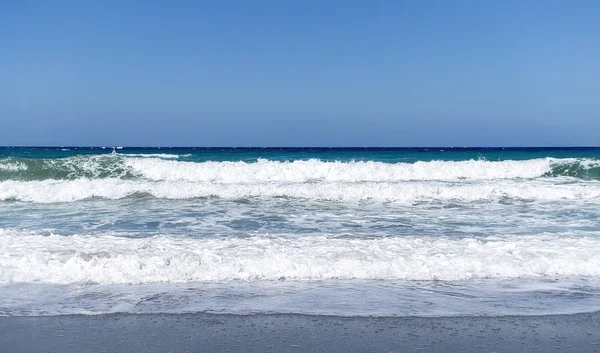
[150, 167]
[52, 191]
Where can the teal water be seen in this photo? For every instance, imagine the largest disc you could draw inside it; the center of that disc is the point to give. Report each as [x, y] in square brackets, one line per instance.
[352, 232]
[391, 155]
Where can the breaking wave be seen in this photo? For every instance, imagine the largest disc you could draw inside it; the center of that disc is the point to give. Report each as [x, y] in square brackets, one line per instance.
[118, 176]
[151, 167]
[108, 259]
[52, 191]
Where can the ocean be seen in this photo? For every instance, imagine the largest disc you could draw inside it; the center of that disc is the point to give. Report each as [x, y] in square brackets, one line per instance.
[356, 232]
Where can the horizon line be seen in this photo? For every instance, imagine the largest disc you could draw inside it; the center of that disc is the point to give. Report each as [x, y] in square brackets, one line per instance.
[291, 147]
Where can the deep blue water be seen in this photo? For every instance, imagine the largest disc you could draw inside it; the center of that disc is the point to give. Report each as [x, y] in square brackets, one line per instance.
[391, 155]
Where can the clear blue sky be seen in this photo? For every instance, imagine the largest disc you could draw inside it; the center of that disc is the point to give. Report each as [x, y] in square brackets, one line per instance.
[300, 73]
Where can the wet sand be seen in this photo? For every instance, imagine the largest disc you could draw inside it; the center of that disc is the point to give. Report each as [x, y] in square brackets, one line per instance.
[298, 333]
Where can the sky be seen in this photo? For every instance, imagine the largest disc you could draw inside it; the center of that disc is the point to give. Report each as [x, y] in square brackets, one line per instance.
[300, 73]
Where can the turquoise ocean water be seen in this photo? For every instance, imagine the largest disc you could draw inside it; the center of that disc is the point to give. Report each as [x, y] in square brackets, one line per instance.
[323, 231]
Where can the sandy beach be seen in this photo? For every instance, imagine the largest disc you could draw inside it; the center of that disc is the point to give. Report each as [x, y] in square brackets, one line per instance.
[298, 333]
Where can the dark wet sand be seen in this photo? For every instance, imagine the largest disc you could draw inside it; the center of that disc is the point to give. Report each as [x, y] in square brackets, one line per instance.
[298, 333]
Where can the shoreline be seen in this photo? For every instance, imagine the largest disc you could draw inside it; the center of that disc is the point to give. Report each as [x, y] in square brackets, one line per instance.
[298, 333]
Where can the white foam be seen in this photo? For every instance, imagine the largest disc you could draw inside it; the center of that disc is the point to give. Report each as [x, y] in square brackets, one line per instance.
[27, 257]
[52, 191]
[12, 166]
[317, 170]
[165, 167]
[152, 155]
[92, 166]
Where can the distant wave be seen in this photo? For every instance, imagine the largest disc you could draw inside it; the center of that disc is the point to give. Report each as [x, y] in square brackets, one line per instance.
[150, 167]
[315, 170]
[116, 176]
[109, 259]
[154, 155]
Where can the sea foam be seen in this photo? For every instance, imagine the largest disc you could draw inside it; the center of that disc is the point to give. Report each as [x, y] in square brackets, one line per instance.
[167, 168]
[116, 177]
[107, 259]
[10, 166]
[317, 170]
[53, 191]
